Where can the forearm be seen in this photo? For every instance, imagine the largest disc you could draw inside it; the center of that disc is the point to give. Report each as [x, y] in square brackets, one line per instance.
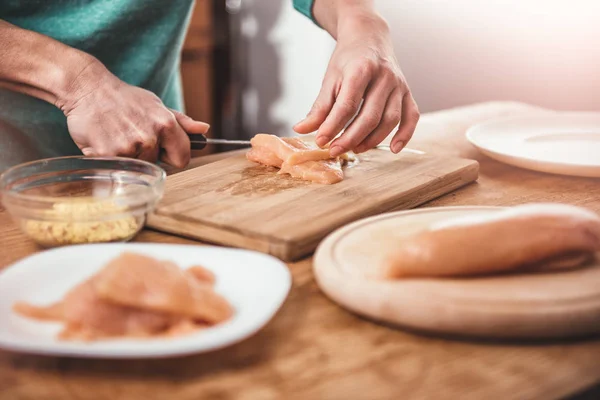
[339, 16]
[42, 67]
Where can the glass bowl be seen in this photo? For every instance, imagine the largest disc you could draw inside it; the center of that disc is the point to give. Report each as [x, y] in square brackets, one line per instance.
[78, 199]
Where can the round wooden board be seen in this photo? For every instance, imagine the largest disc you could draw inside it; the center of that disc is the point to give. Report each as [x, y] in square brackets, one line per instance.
[518, 306]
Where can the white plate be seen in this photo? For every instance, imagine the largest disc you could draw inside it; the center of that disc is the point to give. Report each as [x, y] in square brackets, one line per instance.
[255, 284]
[558, 143]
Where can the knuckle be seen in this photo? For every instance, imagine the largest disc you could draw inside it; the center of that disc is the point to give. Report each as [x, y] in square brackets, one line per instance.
[371, 120]
[129, 148]
[414, 115]
[167, 123]
[388, 72]
[349, 106]
[147, 142]
[393, 116]
[317, 108]
[367, 66]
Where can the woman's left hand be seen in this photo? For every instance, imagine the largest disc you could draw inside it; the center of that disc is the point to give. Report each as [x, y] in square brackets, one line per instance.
[363, 69]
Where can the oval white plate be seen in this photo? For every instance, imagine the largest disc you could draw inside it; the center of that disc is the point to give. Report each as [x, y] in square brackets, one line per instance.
[558, 143]
[254, 283]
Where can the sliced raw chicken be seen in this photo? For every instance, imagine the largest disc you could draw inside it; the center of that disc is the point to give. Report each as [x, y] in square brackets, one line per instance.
[325, 172]
[53, 312]
[274, 150]
[296, 158]
[88, 317]
[135, 296]
[201, 274]
[144, 282]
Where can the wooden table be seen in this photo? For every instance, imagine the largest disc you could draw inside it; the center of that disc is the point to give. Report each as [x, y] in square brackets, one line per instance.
[313, 349]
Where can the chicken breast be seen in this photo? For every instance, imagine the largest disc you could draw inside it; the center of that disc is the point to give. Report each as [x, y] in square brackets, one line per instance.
[201, 274]
[296, 158]
[144, 282]
[526, 237]
[324, 172]
[87, 317]
[135, 296]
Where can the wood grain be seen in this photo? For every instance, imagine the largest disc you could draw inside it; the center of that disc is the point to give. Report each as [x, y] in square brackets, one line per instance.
[237, 203]
[315, 350]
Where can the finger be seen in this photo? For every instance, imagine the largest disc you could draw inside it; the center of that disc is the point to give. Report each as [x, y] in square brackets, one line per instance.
[367, 120]
[391, 117]
[319, 110]
[88, 152]
[129, 145]
[408, 124]
[145, 146]
[346, 104]
[175, 143]
[150, 154]
[189, 124]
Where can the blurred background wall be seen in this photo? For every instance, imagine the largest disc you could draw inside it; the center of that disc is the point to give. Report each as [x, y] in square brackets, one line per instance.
[544, 52]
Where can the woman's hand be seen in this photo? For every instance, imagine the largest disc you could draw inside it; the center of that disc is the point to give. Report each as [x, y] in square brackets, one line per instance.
[363, 68]
[108, 117]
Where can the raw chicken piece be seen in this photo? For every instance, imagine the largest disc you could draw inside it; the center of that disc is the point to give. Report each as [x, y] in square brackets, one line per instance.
[159, 300]
[201, 274]
[87, 317]
[263, 155]
[296, 158]
[325, 172]
[143, 282]
[185, 326]
[53, 312]
[273, 151]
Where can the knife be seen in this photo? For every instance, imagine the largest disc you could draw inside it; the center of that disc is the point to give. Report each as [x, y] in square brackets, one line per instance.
[198, 141]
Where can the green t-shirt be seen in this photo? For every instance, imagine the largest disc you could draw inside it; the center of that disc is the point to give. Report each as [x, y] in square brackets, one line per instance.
[139, 41]
[305, 7]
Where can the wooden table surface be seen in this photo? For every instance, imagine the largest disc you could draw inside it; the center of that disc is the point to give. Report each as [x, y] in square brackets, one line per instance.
[312, 349]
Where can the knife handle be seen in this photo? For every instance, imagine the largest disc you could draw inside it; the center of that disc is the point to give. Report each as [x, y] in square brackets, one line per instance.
[197, 141]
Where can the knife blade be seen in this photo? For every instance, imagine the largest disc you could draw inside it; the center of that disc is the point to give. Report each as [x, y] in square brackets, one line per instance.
[198, 142]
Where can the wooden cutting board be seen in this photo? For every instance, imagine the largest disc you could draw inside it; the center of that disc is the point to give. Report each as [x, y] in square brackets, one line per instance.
[512, 306]
[237, 203]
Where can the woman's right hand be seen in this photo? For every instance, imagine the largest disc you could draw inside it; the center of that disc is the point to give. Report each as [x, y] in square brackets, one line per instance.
[108, 117]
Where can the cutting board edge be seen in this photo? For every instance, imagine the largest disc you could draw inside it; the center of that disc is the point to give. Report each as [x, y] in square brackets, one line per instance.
[293, 250]
[207, 233]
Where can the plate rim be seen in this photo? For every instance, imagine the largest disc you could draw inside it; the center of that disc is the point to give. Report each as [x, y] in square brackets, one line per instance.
[155, 352]
[554, 166]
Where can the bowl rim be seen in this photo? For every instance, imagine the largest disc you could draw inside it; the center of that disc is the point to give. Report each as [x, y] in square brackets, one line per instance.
[4, 192]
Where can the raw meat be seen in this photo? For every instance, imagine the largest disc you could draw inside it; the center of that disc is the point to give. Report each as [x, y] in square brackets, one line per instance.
[140, 281]
[88, 317]
[136, 296]
[296, 158]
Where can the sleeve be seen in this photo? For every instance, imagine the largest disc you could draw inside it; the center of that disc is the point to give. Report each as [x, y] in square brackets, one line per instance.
[305, 7]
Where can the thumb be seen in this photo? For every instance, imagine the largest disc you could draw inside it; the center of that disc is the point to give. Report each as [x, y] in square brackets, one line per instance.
[190, 125]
